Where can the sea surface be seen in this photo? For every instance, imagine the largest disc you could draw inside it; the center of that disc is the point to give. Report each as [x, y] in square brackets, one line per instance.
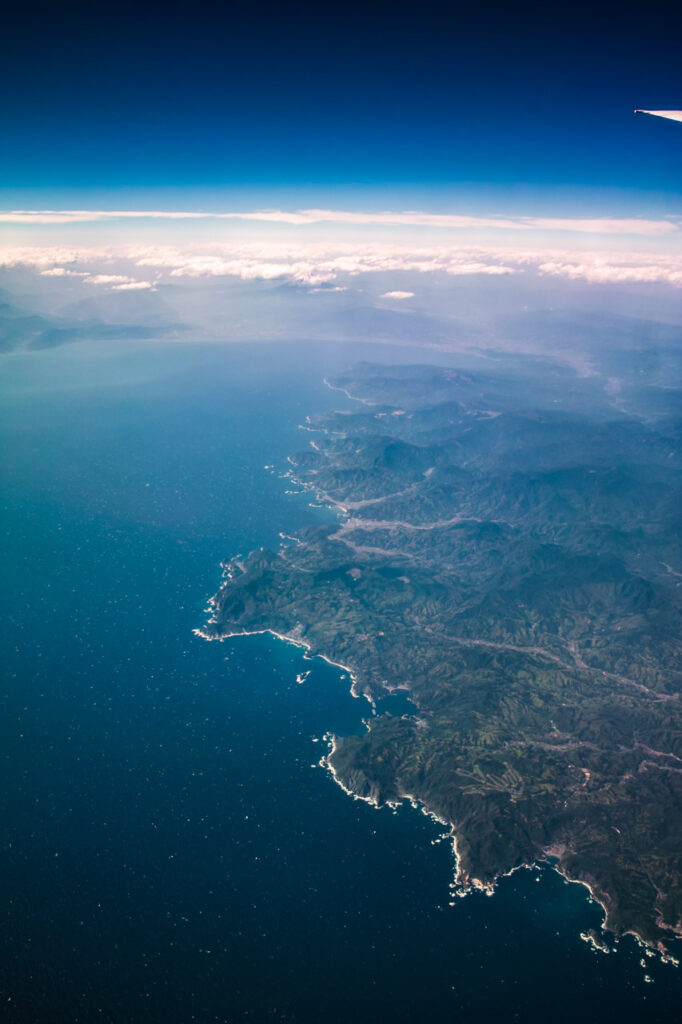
[171, 850]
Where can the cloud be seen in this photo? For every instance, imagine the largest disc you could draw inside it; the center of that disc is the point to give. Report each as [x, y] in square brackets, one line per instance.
[411, 218]
[114, 279]
[405, 218]
[397, 295]
[315, 265]
[604, 225]
[478, 268]
[63, 272]
[88, 216]
[328, 265]
[133, 286]
[416, 218]
[120, 283]
[601, 272]
[50, 257]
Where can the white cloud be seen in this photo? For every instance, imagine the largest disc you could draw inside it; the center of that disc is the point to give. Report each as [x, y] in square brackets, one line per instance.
[411, 218]
[47, 256]
[63, 272]
[133, 286]
[88, 216]
[328, 265]
[416, 218]
[397, 295]
[478, 268]
[407, 218]
[603, 225]
[601, 272]
[115, 279]
[315, 264]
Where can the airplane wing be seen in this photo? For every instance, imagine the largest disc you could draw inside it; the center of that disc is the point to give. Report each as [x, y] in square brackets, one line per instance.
[672, 115]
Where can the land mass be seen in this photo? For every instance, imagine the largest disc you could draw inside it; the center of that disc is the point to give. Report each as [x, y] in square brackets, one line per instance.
[508, 553]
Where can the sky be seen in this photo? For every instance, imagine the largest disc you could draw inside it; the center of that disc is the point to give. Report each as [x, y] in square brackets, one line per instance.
[488, 100]
[260, 141]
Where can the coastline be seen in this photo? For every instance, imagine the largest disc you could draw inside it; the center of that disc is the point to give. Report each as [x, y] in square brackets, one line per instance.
[309, 654]
[463, 883]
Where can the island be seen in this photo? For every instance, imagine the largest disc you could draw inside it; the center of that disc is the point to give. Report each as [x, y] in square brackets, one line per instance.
[507, 552]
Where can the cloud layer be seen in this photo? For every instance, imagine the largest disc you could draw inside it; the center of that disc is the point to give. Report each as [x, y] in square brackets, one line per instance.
[315, 265]
[407, 218]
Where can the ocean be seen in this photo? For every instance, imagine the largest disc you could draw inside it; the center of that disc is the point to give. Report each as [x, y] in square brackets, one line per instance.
[171, 849]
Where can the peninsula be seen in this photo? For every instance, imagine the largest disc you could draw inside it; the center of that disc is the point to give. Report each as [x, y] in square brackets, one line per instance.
[508, 553]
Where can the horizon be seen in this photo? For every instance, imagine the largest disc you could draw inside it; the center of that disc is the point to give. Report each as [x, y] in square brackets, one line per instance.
[500, 128]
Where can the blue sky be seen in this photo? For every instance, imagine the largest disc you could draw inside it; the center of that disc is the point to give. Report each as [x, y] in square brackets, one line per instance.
[499, 105]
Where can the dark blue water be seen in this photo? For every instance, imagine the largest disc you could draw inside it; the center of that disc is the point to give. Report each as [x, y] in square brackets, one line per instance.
[170, 851]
